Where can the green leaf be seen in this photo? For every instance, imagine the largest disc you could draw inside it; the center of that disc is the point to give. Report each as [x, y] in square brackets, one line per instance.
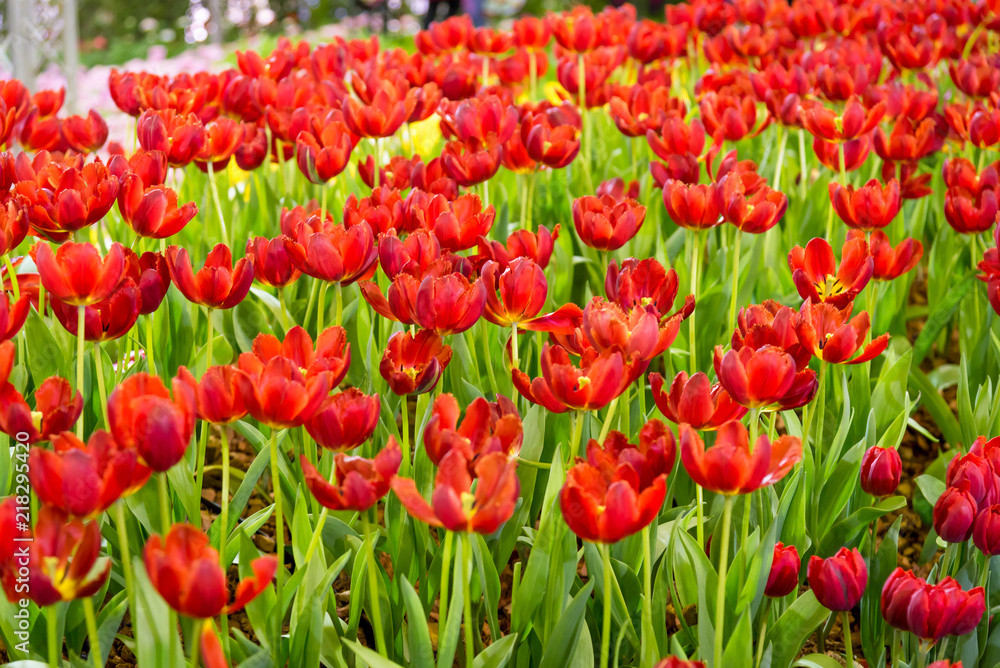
[45, 357]
[371, 658]
[943, 313]
[786, 637]
[239, 500]
[848, 529]
[562, 643]
[739, 646]
[419, 636]
[817, 661]
[496, 655]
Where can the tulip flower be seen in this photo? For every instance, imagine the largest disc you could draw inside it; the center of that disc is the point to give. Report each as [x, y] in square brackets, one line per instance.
[535, 246]
[908, 143]
[618, 190]
[694, 207]
[930, 612]
[180, 136]
[61, 198]
[763, 377]
[223, 137]
[870, 207]
[143, 416]
[674, 662]
[971, 212]
[825, 124]
[619, 489]
[755, 212]
[463, 224]
[605, 224]
[331, 356]
[57, 408]
[106, 320]
[784, 576]
[770, 323]
[84, 134]
[335, 253]
[383, 115]
[838, 581]
[487, 120]
[975, 473]
[8, 356]
[730, 467]
[360, 482]
[76, 273]
[454, 505]
[646, 110]
[695, 401]
[639, 333]
[487, 427]
[955, 513]
[219, 284]
[272, 265]
[825, 330]
[152, 211]
[471, 162]
[447, 305]
[324, 155]
[817, 275]
[217, 398]
[675, 137]
[63, 559]
[855, 153]
[184, 569]
[452, 33]
[986, 530]
[13, 225]
[891, 263]
[517, 294]
[564, 386]
[150, 275]
[728, 116]
[413, 364]
[12, 316]
[345, 420]
[84, 480]
[880, 471]
[552, 145]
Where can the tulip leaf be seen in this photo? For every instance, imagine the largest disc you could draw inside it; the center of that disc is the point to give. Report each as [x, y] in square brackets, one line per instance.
[739, 645]
[846, 531]
[370, 657]
[496, 655]
[418, 634]
[448, 637]
[789, 633]
[935, 404]
[873, 627]
[562, 642]
[890, 389]
[489, 582]
[942, 314]
[239, 500]
[817, 661]
[837, 491]
[45, 357]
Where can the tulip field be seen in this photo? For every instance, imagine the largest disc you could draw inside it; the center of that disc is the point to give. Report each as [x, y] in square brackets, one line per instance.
[586, 341]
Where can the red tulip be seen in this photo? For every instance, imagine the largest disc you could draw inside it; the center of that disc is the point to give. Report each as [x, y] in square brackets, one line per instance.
[577, 30]
[345, 420]
[454, 505]
[76, 273]
[185, 570]
[818, 277]
[695, 401]
[515, 295]
[471, 162]
[487, 120]
[639, 333]
[536, 246]
[452, 33]
[564, 386]
[150, 275]
[413, 364]
[149, 166]
[152, 212]
[532, 32]
[641, 283]
[450, 304]
[784, 576]
[552, 145]
[755, 212]
[181, 137]
[758, 378]
[57, 408]
[12, 317]
[986, 530]
[389, 108]
[618, 190]
[974, 472]
[461, 225]
[728, 116]
[826, 331]
[143, 416]
[674, 662]
[324, 155]
[605, 224]
[730, 467]
[360, 482]
[331, 356]
[976, 76]
[855, 153]
[971, 213]
[907, 142]
[223, 137]
[487, 427]
[85, 135]
[217, 398]
[954, 514]
[930, 612]
[84, 480]
[619, 489]
[880, 471]
[334, 253]
[272, 264]
[63, 558]
[838, 581]
[770, 323]
[871, 207]
[891, 263]
[219, 284]
[694, 207]
[13, 225]
[823, 123]
[106, 320]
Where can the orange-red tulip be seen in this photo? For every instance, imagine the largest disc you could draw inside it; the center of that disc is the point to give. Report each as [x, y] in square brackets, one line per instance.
[730, 466]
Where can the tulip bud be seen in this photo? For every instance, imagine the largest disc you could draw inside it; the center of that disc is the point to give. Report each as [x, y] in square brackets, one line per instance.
[784, 576]
[896, 595]
[674, 662]
[838, 581]
[880, 471]
[954, 514]
[986, 531]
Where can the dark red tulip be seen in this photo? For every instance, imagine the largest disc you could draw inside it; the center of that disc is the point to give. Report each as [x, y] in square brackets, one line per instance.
[640, 333]
[63, 562]
[605, 224]
[252, 152]
[77, 274]
[84, 480]
[870, 207]
[552, 145]
[817, 275]
[360, 482]
[450, 304]
[12, 317]
[693, 207]
[150, 275]
[536, 246]
[272, 264]
[217, 398]
[955, 513]
[57, 408]
[838, 581]
[150, 166]
[930, 612]
[454, 505]
[152, 212]
[974, 472]
[970, 212]
[345, 420]
[219, 284]
[784, 576]
[618, 190]
[641, 283]
[976, 76]
[730, 467]
[143, 416]
[487, 427]
[986, 530]
[471, 162]
[106, 320]
[674, 662]
[413, 364]
[619, 489]
[695, 401]
[648, 110]
[184, 568]
[880, 471]
[564, 386]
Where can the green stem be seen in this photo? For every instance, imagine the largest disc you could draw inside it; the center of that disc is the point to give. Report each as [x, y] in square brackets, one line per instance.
[321, 310]
[700, 503]
[15, 287]
[848, 641]
[782, 141]
[515, 358]
[897, 641]
[803, 167]
[606, 427]
[404, 412]
[218, 202]
[210, 341]
[224, 528]
[470, 647]
[606, 626]
[449, 539]
[52, 626]
[720, 596]
[339, 301]
[736, 279]
[574, 443]
[126, 559]
[149, 344]
[102, 392]
[80, 325]
[763, 631]
[311, 302]
[373, 585]
[165, 515]
[95, 641]
[279, 538]
[647, 596]
[484, 330]
[375, 157]
[695, 280]
[747, 498]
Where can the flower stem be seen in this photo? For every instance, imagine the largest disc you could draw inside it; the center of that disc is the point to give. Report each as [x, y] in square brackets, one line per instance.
[125, 557]
[218, 202]
[848, 641]
[720, 596]
[606, 626]
[700, 503]
[375, 157]
[224, 528]
[606, 427]
[514, 357]
[782, 141]
[736, 279]
[95, 641]
[763, 632]
[647, 596]
[803, 168]
[574, 443]
[470, 647]
[695, 280]
[80, 325]
[149, 344]
[339, 300]
[279, 539]
[321, 309]
[404, 412]
[52, 619]
[102, 392]
[449, 539]
[373, 585]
